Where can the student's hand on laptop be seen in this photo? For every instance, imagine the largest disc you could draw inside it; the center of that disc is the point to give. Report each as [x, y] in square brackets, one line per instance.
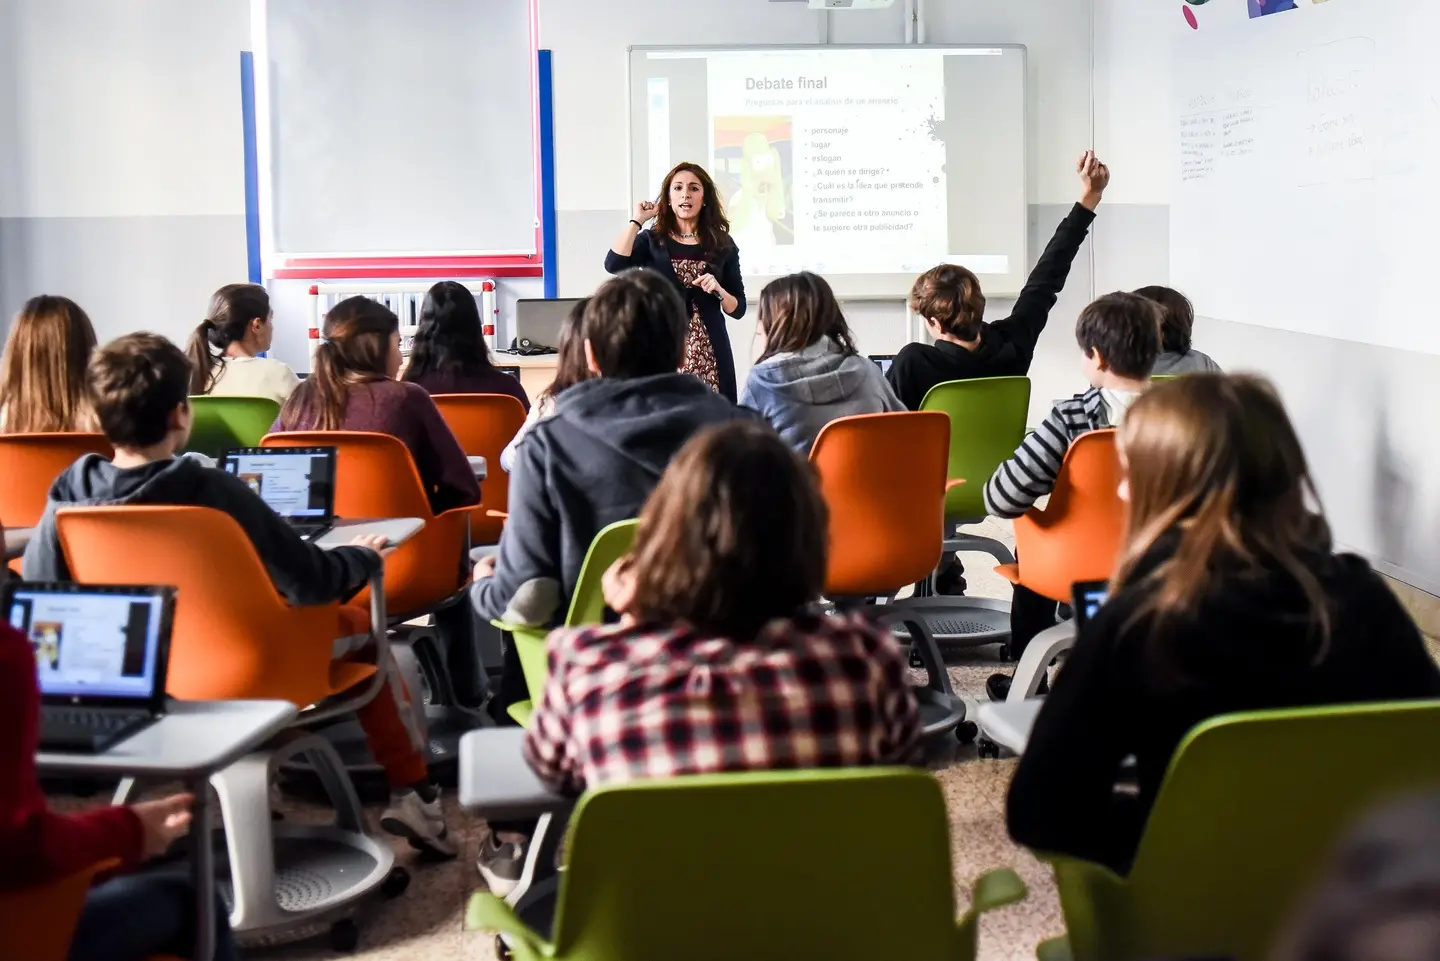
[163, 821]
[484, 567]
[378, 543]
[618, 586]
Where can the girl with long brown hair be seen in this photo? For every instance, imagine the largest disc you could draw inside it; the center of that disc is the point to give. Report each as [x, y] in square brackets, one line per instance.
[690, 243]
[809, 372]
[225, 348]
[42, 374]
[1229, 597]
[353, 387]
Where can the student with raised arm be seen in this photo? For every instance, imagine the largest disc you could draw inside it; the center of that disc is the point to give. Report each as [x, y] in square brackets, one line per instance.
[949, 298]
[1229, 597]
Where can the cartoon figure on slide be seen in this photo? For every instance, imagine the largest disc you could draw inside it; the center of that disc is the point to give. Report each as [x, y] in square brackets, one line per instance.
[760, 203]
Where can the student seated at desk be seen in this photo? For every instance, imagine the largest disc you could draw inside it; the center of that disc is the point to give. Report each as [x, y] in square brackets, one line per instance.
[948, 297]
[449, 355]
[140, 386]
[1120, 337]
[1177, 356]
[570, 369]
[129, 917]
[353, 387]
[719, 664]
[42, 375]
[810, 372]
[596, 460]
[1229, 597]
[224, 349]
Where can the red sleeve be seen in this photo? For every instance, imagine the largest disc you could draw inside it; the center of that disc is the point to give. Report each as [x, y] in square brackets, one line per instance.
[36, 844]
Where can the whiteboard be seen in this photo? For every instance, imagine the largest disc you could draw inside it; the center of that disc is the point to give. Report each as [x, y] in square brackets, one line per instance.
[1306, 170]
[868, 164]
[396, 127]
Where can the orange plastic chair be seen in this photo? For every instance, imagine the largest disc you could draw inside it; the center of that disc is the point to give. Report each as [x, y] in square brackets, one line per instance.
[1077, 536]
[376, 478]
[235, 637]
[484, 424]
[883, 477]
[39, 921]
[29, 464]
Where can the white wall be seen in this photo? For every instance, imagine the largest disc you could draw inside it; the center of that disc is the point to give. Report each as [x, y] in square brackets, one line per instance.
[1364, 413]
[121, 170]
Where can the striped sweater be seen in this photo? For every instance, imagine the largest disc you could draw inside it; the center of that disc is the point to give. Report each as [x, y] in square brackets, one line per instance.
[1030, 472]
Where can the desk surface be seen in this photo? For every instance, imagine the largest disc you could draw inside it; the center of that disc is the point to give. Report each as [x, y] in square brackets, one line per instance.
[496, 781]
[1009, 723]
[398, 530]
[15, 540]
[193, 739]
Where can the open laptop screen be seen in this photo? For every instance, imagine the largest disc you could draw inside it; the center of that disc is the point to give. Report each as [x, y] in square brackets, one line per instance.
[298, 483]
[1089, 597]
[94, 642]
[883, 361]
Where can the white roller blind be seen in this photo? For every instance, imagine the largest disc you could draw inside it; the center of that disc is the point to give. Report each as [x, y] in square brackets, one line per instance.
[399, 126]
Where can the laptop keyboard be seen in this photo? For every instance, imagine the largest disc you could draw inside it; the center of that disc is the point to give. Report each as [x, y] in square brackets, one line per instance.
[86, 728]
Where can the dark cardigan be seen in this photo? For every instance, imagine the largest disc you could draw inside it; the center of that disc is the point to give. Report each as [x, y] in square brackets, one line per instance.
[650, 251]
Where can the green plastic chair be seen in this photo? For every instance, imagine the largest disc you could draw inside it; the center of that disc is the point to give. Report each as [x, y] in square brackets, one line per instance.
[586, 607]
[1251, 806]
[655, 873]
[987, 423]
[223, 423]
[1161, 378]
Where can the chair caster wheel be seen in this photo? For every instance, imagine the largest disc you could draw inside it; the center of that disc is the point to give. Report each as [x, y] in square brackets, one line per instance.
[966, 732]
[395, 883]
[344, 936]
[988, 748]
[502, 950]
[1006, 657]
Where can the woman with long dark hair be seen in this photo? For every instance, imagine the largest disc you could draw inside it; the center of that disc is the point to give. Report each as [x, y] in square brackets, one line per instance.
[353, 387]
[449, 355]
[42, 372]
[691, 244]
[224, 350]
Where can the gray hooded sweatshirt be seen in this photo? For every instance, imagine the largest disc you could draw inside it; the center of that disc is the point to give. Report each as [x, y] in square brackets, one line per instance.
[802, 392]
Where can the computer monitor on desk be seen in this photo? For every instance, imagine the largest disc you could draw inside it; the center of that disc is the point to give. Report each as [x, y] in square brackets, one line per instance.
[539, 321]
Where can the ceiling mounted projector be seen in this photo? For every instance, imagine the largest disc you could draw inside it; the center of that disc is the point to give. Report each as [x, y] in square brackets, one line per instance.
[850, 4]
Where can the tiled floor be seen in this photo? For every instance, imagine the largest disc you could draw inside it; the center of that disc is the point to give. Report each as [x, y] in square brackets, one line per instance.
[426, 922]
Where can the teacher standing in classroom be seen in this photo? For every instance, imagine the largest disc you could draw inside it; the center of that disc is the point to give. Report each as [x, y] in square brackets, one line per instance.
[691, 244]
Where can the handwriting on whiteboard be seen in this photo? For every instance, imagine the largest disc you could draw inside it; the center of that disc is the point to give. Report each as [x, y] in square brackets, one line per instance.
[1335, 134]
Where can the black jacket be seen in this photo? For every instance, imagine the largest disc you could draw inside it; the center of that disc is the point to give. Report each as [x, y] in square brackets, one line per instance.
[650, 252]
[302, 572]
[1006, 346]
[592, 463]
[1248, 648]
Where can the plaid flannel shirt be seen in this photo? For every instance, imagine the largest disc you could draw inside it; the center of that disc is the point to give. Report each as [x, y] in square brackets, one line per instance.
[626, 702]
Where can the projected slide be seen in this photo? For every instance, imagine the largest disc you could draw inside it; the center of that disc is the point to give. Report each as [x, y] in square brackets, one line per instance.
[850, 162]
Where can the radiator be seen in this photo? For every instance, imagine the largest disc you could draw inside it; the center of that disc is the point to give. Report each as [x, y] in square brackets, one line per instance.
[405, 298]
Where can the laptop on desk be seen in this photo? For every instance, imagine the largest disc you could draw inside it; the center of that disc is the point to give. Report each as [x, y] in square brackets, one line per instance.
[297, 482]
[883, 361]
[1089, 597]
[101, 659]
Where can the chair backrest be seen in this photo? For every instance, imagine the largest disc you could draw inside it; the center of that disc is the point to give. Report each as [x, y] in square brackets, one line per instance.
[1077, 536]
[655, 872]
[39, 921]
[1250, 808]
[586, 607]
[484, 424]
[987, 422]
[222, 423]
[375, 477]
[29, 464]
[234, 636]
[883, 478]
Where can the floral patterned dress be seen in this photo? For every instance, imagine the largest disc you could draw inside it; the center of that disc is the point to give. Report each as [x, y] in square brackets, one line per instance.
[690, 265]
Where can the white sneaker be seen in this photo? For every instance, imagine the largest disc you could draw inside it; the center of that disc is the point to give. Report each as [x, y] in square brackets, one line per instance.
[500, 864]
[420, 822]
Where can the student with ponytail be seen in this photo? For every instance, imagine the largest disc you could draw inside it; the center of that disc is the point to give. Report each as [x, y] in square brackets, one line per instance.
[224, 350]
[1229, 597]
[353, 387]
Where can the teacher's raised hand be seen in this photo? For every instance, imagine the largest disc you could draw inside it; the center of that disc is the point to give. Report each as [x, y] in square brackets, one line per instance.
[644, 212]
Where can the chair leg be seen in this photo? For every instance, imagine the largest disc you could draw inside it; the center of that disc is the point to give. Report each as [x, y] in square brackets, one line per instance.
[244, 792]
[125, 790]
[922, 642]
[330, 770]
[1039, 653]
[539, 860]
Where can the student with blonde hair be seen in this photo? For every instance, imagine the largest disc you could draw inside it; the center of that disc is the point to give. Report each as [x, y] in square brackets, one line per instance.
[1229, 597]
[42, 374]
